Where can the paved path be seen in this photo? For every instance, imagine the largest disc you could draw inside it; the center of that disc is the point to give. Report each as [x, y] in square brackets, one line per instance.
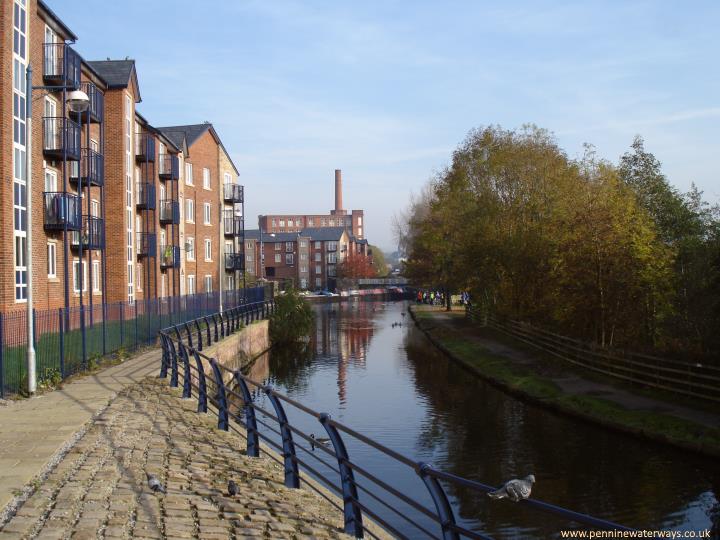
[33, 431]
[564, 376]
[100, 489]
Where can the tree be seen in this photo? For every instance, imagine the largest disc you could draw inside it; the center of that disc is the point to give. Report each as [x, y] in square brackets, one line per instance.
[356, 266]
[378, 261]
[292, 318]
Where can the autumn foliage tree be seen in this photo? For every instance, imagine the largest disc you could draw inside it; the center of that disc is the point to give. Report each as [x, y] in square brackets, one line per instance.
[356, 266]
[603, 252]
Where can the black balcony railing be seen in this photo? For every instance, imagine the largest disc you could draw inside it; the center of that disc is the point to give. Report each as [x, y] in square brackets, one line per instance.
[92, 234]
[234, 261]
[61, 138]
[90, 169]
[61, 209]
[144, 146]
[233, 225]
[145, 196]
[96, 109]
[169, 256]
[146, 244]
[233, 193]
[169, 212]
[61, 65]
[169, 167]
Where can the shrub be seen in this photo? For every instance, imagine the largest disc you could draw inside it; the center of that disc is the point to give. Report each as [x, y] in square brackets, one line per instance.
[292, 320]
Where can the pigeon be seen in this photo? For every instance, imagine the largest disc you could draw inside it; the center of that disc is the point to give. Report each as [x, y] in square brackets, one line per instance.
[318, 440]
[155, 484]
[232, 488]
[515, 489]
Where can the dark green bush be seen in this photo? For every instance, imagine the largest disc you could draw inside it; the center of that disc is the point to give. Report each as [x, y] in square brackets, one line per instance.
[292, 320]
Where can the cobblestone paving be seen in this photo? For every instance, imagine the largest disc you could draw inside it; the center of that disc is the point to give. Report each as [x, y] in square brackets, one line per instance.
[100, 490]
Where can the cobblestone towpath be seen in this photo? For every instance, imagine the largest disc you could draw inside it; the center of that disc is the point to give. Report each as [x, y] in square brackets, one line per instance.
[99, 489]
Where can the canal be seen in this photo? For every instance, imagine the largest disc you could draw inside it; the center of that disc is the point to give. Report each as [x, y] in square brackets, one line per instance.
[370, 368]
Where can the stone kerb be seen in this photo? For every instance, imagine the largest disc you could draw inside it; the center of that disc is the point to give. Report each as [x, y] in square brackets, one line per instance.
[239, 349]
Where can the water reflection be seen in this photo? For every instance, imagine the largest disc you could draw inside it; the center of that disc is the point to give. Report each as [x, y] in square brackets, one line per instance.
[368, 366]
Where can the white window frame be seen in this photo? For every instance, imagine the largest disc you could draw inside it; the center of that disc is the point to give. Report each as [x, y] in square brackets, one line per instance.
[52, 259]
[208, 249]
[208, 283]
[191, 284]
[189, 174]
[190, 250]
[96, 277]
[75, 264]
[278, 257]
[206, 178]
[206, 214]
[190, 210]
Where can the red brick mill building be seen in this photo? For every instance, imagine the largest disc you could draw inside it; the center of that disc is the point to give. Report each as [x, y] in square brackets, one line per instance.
[122, 210]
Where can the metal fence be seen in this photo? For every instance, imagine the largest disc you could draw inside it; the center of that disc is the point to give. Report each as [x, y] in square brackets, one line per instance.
[690, 379]
[69, 340]
[361, 494]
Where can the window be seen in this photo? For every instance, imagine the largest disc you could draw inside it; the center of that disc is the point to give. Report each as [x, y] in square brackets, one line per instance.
[274, 223]
[277, 246]
[190, 248]
[77, 278]
[249, 257]
[248, 245]
[303, 256]
[360, 221]
[282, 223]
[95, 209]
[348, 222]
[228, 178]
[311, 222]
[317, 245]
[304, 269]
[289, 258]
[50, 181]
[332, 223]
[318, 282]
[332, 246]
[323, 223]
[332, 258]
[138, 277]
[278, 258]
[206, 213]
[52, 259]
[206, 178]
[290, 223]
[188, 180]
[208, 249]
[303, 283]
[208, 284]
[303, 243]
[289, 246]
[318, 269]
[318, 256]
[190, 210]
[191, 284]
[299, 222]
[359, 231]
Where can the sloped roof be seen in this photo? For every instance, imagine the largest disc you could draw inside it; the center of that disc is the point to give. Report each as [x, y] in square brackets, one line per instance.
[57, 20]
[117, 73]
[272, 238]
[324, 234]
[190, 133]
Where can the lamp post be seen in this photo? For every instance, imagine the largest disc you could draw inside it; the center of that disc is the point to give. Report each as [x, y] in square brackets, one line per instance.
[77, 101]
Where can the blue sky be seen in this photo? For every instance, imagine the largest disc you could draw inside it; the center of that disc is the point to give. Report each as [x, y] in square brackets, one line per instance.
[386, 90]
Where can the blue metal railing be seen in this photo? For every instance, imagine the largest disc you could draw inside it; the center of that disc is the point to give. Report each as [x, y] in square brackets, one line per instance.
[182, 357]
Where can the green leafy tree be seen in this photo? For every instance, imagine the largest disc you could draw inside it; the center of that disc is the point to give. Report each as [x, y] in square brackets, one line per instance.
[292, 319]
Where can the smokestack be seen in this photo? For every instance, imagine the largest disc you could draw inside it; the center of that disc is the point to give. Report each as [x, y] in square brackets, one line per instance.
[338, 191]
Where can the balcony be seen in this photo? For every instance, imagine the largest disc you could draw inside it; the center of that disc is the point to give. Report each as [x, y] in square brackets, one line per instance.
[61, 138]
[96, 108]
[169, 168]
[233, 225]
[169, 212]
[61, 65]
[169, 256]
[146, 244]
[61, 209]
[144, 146]
[90, 169]
[233, 193]
[234, 261]
[92, 234]
[145, 196]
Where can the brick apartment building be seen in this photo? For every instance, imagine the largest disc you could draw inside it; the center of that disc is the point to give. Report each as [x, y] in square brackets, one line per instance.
[282, 223]
[308, 258]
[121, 210]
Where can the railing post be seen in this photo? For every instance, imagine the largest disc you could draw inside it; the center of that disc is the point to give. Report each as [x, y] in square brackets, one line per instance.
[173, 365]
[187, 388]
[222, 325]
[207, 328]
[221, 397]
[353, 515]
[202, 385]
[165, 355]
[189, 335]
[200, 343]
[442, 505]
[253, 441]
[292, 475]
[61, 324]
[136, 325]
[216, 328]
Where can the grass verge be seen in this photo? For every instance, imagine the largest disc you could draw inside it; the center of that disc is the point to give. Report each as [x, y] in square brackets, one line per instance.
[531, 386]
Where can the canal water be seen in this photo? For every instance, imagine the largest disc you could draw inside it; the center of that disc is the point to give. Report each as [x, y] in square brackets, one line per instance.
[371, 369]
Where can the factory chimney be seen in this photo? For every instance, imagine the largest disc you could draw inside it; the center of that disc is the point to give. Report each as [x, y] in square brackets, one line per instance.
[338, 192]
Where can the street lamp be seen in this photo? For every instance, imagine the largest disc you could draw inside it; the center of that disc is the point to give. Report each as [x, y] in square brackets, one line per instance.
[77, 101]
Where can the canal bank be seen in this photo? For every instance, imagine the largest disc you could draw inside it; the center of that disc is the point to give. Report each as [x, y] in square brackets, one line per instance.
[548, 384]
